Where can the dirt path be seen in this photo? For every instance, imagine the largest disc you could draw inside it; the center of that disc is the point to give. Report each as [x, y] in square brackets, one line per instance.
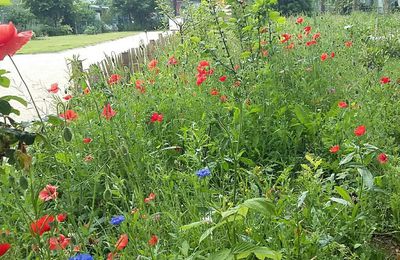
[42, 70]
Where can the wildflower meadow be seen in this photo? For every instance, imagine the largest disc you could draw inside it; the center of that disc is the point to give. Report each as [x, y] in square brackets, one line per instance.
[249, 136]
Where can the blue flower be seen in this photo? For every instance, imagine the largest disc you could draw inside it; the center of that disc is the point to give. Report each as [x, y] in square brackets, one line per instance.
[117, 220]
[202, 173]
[81, 257]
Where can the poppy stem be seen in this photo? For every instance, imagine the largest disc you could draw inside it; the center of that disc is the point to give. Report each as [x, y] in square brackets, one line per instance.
[29, 92]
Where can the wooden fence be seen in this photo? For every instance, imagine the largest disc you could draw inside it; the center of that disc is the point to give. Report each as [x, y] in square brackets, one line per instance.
[125, 63]
[133, 60]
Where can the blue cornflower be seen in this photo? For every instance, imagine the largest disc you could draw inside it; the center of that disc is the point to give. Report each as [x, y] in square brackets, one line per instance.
[202, 173]
[117, 220]
[81, 257]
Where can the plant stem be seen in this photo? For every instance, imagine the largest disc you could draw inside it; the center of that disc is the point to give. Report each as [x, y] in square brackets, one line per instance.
[29, 92]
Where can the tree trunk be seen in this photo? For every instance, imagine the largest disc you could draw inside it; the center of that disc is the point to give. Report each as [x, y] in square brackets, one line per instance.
[323, 6]
[386, 6]
[355, 5]
[380, 6]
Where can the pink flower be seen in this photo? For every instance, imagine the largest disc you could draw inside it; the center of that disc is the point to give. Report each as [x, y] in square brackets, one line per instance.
[87, 140]
[300, 20]
[114, 79]
[59, 243]
[67, 97]
[11, 41]
[48, 193]
[334, 149]
[172, 61]
[324, 56]
[108, 112]
[360, 130]
[156, 117]
[53, 88]
[382, 158]
[385, 80]
[342, 104]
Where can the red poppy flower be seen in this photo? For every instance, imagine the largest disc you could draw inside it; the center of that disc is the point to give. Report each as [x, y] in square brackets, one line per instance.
[382, 158]
[316, 36]
[172, 61]
[86, 91]
[139, 86]
[311, 43]
[11, 41]
[152, 64]
[69, 115]
[54, 88]
[222, 78]
[300, 36]
[342, 104]
[223, 98]
[152, 196]
[59, 243]
[4, 248]
[214, 92]
[385, 80]
[300, 20]
[156, 117]
[290, 46]
[153, 240]
[360, 130]
[332, 55]
[204, 63]
[286, 37]
[122, 242]
[48, 193]
[110, 256]
[42, 225]
[87, 140]
[348, 44]
[114, 79]
[76, 248]
[61, 217]
[67, 97]
[108, 112]
[265, 53]
[324, 56]
[307, 30]
[200, 79]
[334, 149]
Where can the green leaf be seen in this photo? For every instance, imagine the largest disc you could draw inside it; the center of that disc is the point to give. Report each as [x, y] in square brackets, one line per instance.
[192, 225]
[15, 98]
[55, 120]
[265, 252]
[4, 82]
[245, 54]
[67, 134]
[344, 194]
[347, 159]
[367, 177]
[224, 254]
[5, 107]
[300, 200]
[5, 2]
[23, 182]
[260, 205]
[340, 201]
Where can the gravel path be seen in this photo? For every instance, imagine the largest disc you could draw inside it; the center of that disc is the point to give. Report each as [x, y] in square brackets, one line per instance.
[42, 70]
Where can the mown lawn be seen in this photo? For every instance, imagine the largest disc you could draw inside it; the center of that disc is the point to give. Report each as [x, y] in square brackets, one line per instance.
[61, 43]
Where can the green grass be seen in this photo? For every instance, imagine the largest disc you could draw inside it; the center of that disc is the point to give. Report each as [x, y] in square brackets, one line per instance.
[61, 43]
